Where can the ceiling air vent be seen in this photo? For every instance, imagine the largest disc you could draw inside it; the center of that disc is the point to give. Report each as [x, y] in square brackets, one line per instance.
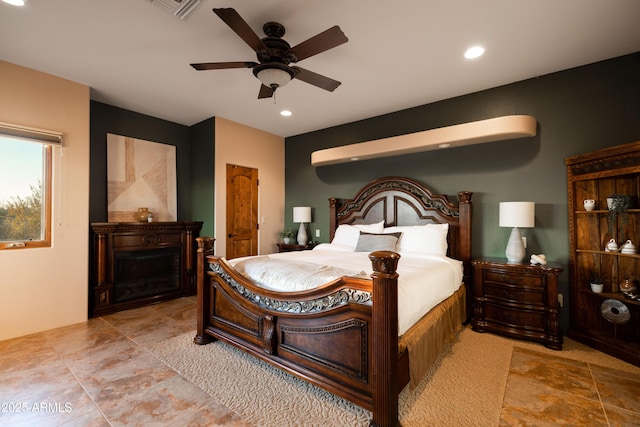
[178, 8]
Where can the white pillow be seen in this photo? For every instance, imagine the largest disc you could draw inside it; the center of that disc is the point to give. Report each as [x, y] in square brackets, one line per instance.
[347, 235]
[426, 239]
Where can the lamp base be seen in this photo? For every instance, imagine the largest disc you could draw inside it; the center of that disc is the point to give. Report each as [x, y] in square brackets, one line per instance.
[515, 247]
[302, 235]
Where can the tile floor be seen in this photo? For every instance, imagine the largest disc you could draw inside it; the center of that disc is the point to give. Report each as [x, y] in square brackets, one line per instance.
[543, 389]
[99, 373]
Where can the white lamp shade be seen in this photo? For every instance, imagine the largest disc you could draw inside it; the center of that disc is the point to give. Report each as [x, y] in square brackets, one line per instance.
[302, 214]
[517, 214]
[273, 77]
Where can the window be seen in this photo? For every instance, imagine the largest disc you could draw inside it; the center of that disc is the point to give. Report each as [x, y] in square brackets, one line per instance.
[25, 187]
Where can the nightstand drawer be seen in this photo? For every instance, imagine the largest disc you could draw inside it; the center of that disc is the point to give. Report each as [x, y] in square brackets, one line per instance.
[515, 279]
[516, 294]
[515, 318]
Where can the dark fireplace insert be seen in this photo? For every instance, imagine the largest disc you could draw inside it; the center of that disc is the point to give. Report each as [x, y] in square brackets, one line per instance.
[141, 274]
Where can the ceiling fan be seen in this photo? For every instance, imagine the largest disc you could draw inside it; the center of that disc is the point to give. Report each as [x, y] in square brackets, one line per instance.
[275, 54]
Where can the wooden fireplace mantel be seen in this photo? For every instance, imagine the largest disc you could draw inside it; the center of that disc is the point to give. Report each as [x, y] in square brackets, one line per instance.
[140, 244]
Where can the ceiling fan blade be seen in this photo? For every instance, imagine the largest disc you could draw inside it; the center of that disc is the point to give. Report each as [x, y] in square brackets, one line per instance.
[223, 65]
[241, 28]
[265, 92]
[316, 79]
[319, 43]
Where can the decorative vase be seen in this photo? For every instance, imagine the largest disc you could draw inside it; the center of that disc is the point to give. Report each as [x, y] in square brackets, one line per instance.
[286, 240]
[610, 203]
[628, 247]
[627, 286]
[597, 287]
[589, 204]
[612, 246]
[143, 214]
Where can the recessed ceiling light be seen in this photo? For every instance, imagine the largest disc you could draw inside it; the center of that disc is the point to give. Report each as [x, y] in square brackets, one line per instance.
[15, 2]
[474, 52]
[285, 113]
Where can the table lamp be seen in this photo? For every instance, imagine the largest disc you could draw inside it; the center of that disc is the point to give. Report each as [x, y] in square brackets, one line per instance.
[516, 214]
[302, 214]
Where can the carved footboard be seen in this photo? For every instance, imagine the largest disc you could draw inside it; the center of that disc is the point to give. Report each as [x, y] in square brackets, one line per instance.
[325, 336]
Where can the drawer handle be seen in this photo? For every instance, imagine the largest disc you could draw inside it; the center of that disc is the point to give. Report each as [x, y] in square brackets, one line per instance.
[517, 281]
[511, 294]
[150, 239]
[513, 317]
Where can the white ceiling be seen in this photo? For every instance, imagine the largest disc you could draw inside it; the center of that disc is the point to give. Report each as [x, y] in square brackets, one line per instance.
[400, 53]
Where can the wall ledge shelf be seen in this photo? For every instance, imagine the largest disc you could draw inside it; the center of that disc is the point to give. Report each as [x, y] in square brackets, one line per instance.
[603, 211]
[613, 295]
[478, 132]
[589, 251]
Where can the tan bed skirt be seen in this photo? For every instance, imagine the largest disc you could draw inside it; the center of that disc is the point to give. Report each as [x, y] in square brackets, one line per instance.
[426, 339]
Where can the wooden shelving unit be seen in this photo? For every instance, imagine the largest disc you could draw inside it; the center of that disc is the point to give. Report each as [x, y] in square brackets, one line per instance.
[597, 175]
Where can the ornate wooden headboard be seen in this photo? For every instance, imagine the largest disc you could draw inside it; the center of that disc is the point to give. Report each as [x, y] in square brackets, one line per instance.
[404, 201]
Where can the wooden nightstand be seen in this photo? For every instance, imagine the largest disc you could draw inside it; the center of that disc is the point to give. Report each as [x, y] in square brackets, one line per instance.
[518, 300]
[285, 247]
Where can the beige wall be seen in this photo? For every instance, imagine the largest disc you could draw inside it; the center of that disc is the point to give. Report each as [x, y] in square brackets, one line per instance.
[245, 146]
[46, 288]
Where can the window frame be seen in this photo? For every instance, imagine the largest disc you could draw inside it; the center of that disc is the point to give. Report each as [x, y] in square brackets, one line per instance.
[46, 209]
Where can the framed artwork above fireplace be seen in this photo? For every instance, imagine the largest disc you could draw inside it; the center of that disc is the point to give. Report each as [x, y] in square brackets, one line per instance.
[140, 174]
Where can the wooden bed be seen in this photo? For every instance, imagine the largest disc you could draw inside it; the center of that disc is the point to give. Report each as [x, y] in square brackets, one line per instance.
[350, 348]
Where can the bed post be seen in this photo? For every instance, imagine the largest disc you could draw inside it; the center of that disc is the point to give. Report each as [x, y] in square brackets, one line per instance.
[205, 248]
[465, 211]
[332, 217]
[384, 345]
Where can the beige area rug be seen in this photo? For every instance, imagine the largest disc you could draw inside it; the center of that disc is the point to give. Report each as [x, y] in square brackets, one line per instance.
[465, 387]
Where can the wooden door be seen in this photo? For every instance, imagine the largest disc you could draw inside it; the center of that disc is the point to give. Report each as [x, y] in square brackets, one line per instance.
[242, 211]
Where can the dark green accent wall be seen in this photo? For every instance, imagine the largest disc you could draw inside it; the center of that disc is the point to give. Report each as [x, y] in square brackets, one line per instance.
[108, 119]
[203, 173]
[578, 110]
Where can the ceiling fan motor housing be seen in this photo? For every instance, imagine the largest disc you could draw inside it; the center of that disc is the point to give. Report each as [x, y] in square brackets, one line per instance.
[277, 46]
[273, 29]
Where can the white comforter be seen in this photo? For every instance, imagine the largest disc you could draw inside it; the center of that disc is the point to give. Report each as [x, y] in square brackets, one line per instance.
[424, 280]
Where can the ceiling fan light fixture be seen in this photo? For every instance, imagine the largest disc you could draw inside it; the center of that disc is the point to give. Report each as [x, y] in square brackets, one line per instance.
[273, 75]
